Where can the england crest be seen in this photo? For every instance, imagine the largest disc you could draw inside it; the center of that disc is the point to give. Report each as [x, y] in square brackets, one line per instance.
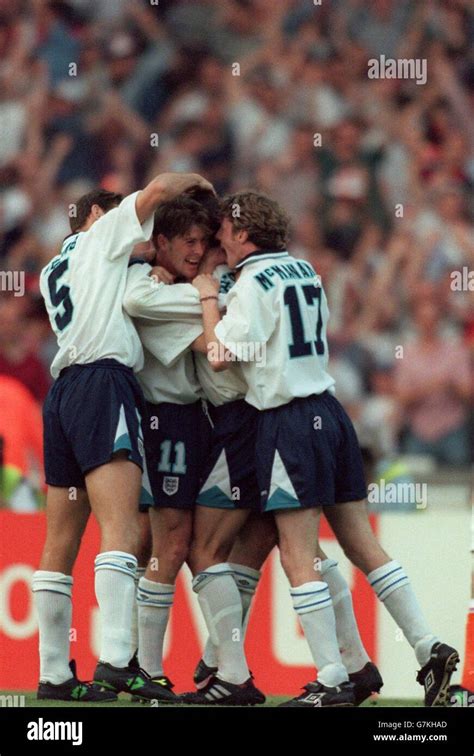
[170, 484]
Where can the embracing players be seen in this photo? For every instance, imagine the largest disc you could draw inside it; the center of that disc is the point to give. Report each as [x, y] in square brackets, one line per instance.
[307, 454]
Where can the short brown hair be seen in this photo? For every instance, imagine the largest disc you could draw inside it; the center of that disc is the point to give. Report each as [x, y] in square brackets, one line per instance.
[266, 223]
[177, 216]
[106, 200]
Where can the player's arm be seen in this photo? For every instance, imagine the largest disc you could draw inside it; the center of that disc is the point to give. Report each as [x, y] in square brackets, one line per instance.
[208, 343]
[148, 299]
[249, 321]
[166, 187]
[119, 230]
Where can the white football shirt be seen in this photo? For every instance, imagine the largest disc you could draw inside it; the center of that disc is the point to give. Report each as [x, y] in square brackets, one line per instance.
[83, 289]
[172, 372]
[276, 323]
[166, 318]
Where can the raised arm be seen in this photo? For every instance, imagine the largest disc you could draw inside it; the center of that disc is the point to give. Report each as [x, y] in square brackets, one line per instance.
[165, 187]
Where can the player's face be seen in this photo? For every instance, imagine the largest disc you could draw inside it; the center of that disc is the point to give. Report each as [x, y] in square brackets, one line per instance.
[230, 242]
[184, 253]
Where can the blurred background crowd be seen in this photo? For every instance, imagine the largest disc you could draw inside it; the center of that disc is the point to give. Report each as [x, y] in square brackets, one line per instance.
[377, 175]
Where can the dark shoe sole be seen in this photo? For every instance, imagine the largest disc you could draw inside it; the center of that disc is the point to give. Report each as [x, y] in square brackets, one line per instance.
[442, 697]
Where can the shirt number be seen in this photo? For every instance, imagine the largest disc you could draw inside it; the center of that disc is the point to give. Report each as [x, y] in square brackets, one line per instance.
[178, 466]
[300, 347]
[60, 296]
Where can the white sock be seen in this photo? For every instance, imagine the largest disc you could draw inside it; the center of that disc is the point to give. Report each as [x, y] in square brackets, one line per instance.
[154, 603]
[392, 586]
[312, 602]
[221, 606]
[52, 596]
[246, 579]
[133, 648]
[115, 593]
[353, 654]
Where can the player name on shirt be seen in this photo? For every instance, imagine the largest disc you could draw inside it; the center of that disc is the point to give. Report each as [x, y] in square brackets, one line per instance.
[286, 271]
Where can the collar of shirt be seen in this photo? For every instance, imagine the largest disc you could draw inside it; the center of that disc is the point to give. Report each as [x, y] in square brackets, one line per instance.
[262, 254]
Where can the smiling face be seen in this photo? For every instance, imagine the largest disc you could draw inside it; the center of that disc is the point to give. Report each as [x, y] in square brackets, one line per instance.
[181, 255]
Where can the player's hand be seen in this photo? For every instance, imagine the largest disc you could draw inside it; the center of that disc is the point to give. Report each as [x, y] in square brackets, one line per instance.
[212, 258]
[174, 184]
[206, 285]
[161, 275]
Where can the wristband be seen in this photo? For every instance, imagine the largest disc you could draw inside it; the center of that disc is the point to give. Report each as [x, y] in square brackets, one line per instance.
[204, 299]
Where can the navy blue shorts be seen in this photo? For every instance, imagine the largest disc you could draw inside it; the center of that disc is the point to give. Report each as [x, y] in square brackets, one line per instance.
[308, 455]
[177, 441]
[91, 412]
[229, 475]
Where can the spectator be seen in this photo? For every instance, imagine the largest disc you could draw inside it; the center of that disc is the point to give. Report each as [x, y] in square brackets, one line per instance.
[377, 174]
[434, 389]
[16, 359]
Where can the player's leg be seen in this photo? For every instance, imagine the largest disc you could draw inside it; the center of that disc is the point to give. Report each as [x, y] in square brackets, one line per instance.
[362, 671]
[67, 512]
[114, 490]
[174, 446]
[350, 522]
[171, 531]
[310, 595]
[354, 655]
[227, 496]
[389, 580]
[295, 465]
[143, 557]
[214, 533]
[253, 544]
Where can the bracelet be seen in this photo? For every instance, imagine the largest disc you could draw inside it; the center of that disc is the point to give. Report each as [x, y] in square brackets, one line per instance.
[204, 299]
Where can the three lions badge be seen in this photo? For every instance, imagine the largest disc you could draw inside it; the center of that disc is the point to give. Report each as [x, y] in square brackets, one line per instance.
[170, 484]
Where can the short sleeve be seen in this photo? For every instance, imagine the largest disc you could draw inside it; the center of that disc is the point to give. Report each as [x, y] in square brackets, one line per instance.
[168, 341]
[119, 230]
[250, 318]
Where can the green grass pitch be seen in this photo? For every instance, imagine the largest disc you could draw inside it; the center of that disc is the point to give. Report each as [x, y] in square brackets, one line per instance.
[124, 701]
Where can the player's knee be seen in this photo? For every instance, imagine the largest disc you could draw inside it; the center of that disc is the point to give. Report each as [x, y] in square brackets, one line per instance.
[177, 551]
[356, 555]
[204, 553]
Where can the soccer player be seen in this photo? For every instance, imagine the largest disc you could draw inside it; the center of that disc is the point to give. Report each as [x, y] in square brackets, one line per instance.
[177, 427]
[92, 433]
[226, 554]
[307, 454]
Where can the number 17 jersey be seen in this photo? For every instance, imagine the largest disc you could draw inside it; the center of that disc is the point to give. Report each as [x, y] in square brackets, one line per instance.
[275, 324]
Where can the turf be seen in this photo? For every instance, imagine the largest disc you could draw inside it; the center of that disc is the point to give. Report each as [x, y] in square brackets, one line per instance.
[124, 701]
